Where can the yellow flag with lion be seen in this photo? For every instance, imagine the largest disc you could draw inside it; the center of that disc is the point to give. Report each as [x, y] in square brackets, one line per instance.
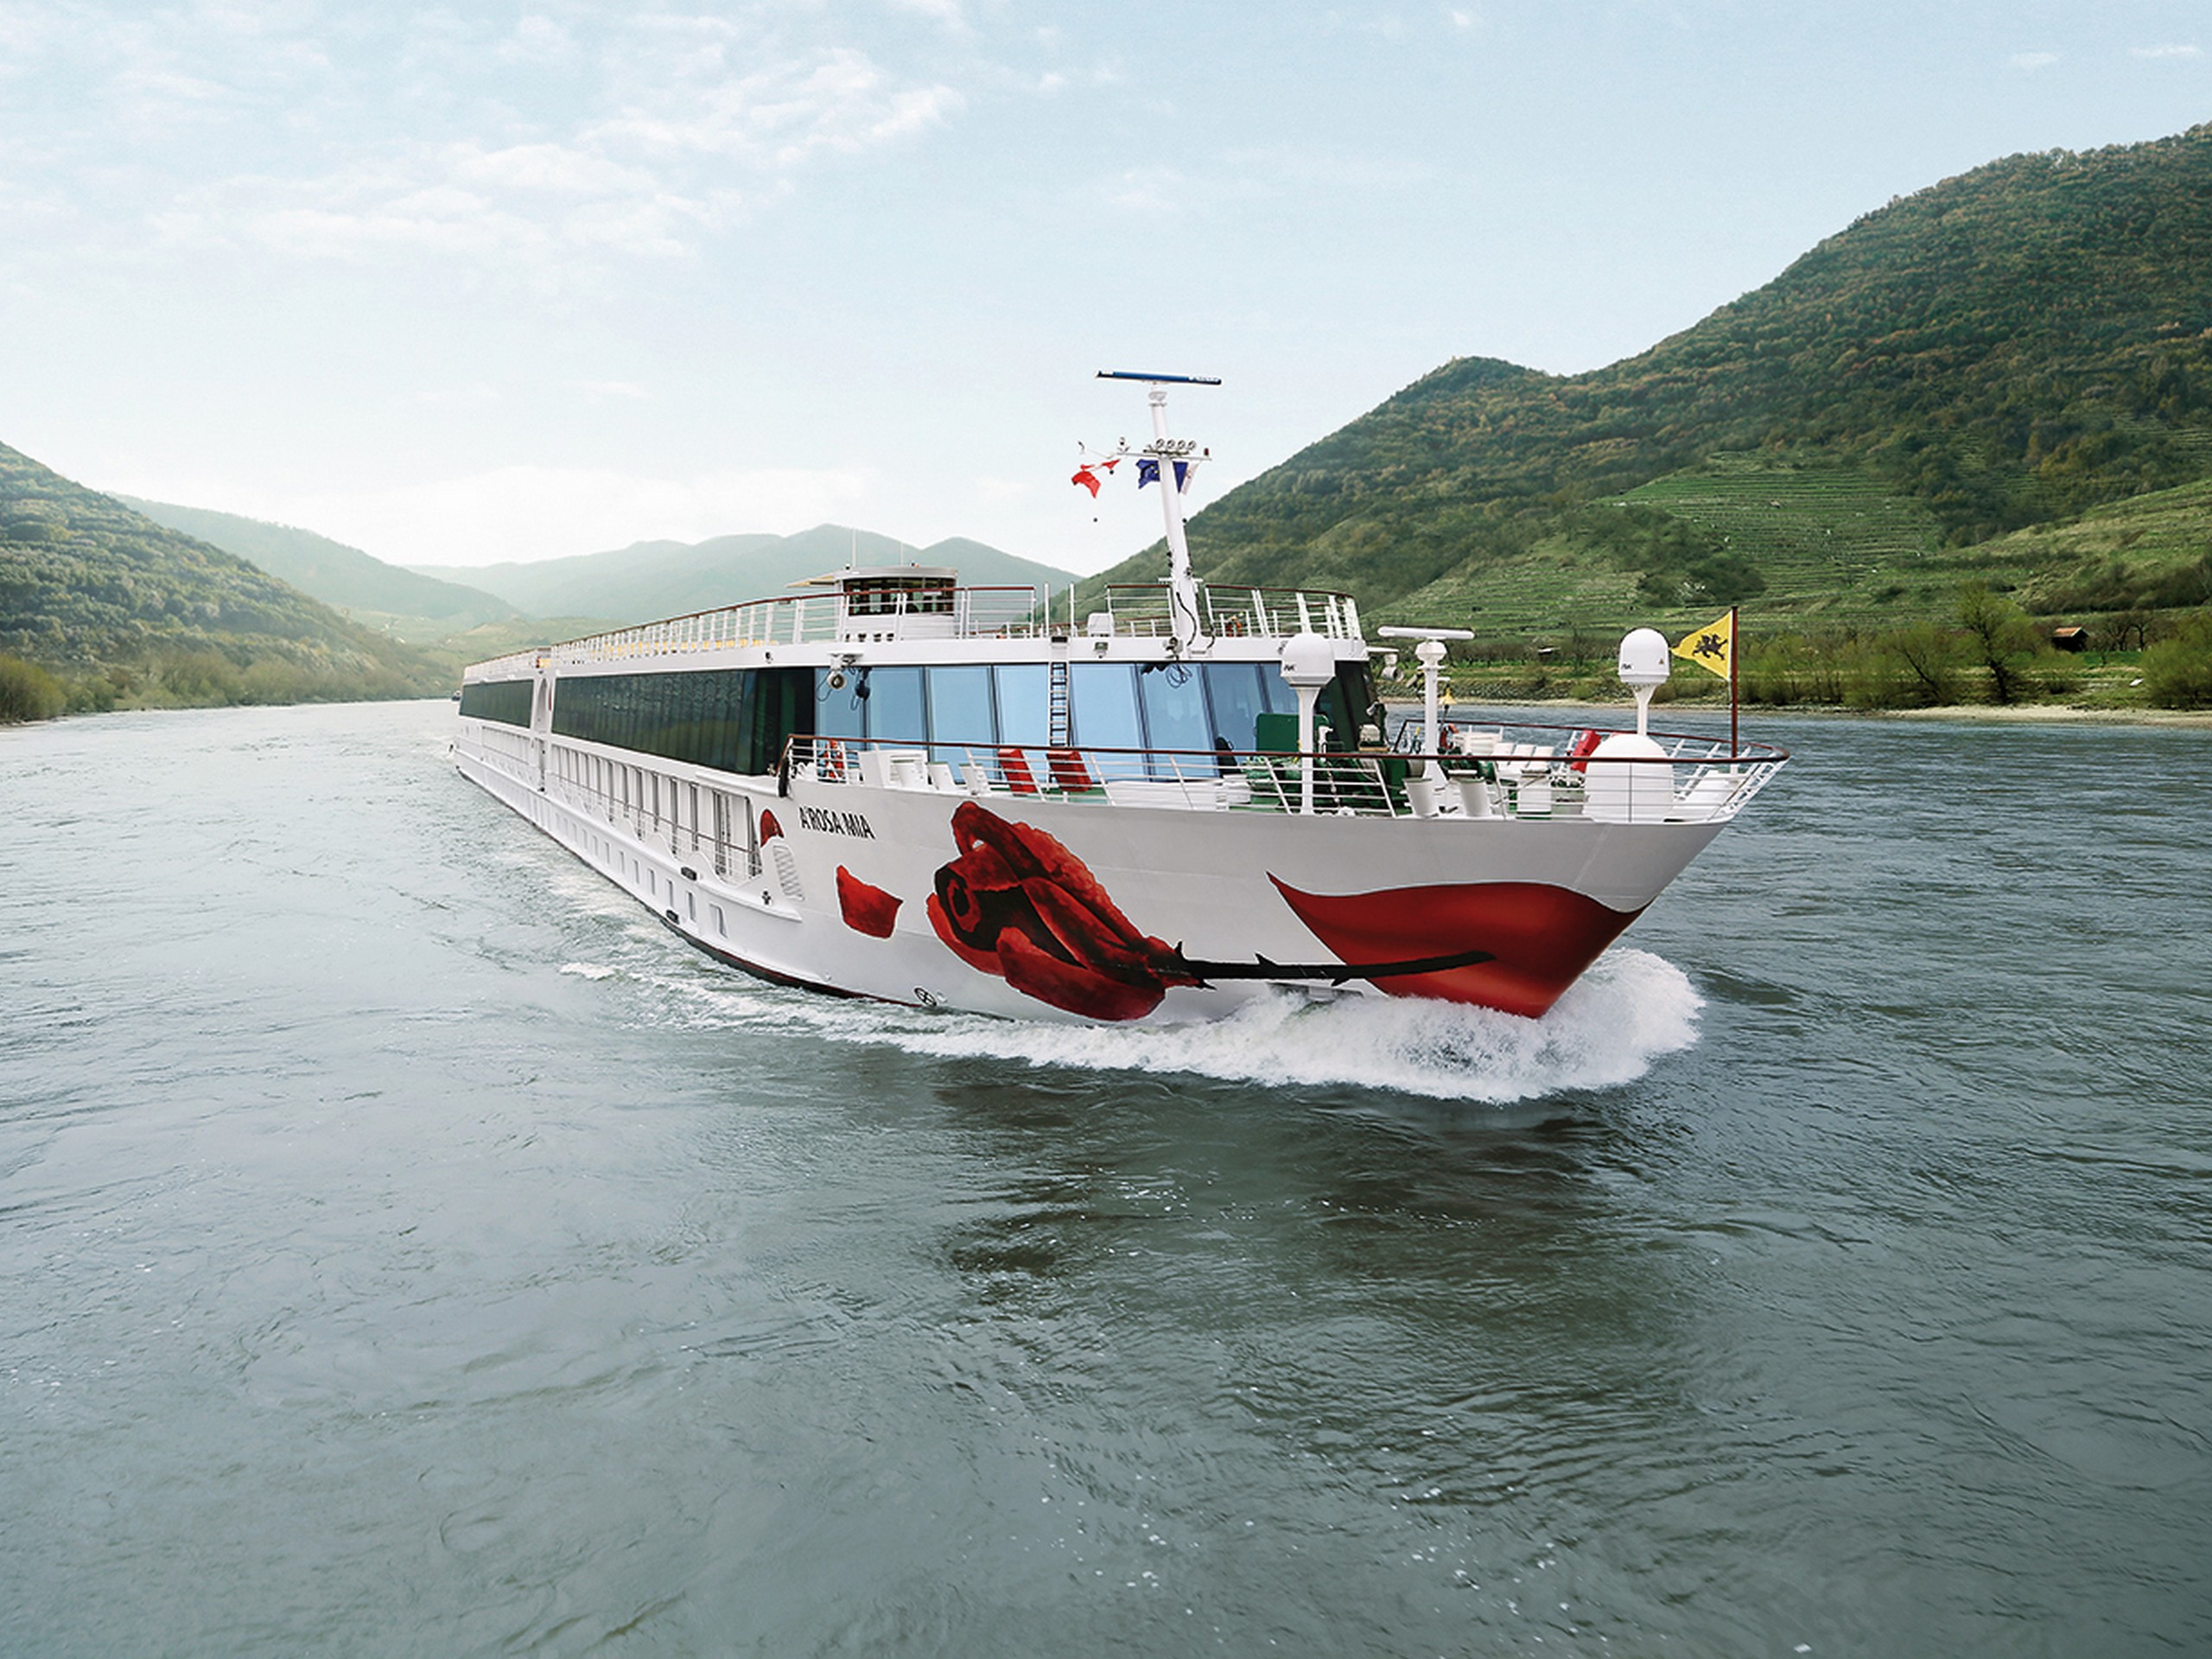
[1713, 646]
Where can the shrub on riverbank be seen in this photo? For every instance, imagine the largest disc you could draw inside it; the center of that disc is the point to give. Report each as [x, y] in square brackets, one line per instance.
[27, 691]
[2177, 671]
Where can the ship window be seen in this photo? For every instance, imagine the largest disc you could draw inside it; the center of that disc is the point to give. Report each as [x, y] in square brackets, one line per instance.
[1102, 699]
[1174, 708]
[1025, 704]
[1240, 694]
[504, 701]
[774, 699]
[899, 596]
[729, 740]
[894, 706]
[731, 720]
[1346, 706]
[838, 710]
[960, 711]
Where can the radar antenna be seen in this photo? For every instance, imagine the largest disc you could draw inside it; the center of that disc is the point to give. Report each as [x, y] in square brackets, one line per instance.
[1175, 459]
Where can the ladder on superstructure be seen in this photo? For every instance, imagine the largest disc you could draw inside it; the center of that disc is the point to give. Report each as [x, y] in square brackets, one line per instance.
[1058, 729]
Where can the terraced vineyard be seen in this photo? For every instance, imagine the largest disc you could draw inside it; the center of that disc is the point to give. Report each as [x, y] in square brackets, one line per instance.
[1833, 545]
[2114, 558]
[1836, 550]
[1831, 540]
[1550, 590]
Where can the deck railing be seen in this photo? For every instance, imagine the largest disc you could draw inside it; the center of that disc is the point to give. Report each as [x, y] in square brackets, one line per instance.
[790, 619]
[976, 612]
[1228, 612]
[1514, 773]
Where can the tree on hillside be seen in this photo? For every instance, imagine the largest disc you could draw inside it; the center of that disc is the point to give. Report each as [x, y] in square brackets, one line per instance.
[2001, 637]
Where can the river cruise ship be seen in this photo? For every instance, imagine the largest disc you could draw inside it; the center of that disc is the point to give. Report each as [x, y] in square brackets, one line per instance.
[891, 786]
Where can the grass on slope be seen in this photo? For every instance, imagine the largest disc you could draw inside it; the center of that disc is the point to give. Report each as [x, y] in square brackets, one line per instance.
[1835, 548]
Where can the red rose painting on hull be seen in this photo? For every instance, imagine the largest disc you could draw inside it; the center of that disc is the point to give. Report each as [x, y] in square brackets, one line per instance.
[867, 908]
[1530, 939]
[1017, 904]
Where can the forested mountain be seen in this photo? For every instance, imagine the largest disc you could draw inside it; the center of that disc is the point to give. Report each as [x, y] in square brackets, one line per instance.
[121, 609]
[2004, 349]
[331, 571]
[649, 580]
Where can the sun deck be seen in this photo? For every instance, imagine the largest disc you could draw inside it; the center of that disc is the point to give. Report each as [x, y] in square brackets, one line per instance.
[856, 615]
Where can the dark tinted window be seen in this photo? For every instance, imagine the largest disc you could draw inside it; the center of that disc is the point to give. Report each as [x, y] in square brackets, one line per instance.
[504, 701]
[1346, 705]
[732, 720]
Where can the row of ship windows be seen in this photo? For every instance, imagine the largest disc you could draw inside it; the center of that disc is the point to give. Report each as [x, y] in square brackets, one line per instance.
[738, 720]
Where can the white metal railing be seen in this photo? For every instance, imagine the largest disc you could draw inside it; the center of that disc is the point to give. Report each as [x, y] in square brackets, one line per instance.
[694, 822]
[1513, 777]
[976, 612]
[796, 619]
[1271, 613]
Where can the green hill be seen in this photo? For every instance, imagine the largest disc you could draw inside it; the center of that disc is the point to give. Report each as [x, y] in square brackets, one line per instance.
[649, 580]
[371, 591]
[2007, 349]
[123, 610]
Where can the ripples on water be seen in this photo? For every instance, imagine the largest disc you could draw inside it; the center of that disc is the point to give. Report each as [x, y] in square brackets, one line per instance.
[415, 1249]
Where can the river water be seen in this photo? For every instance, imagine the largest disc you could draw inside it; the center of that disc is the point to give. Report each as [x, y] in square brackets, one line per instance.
[409, 1247]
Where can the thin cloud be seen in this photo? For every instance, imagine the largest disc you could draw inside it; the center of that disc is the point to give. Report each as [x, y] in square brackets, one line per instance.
[2163, 52]
[648, 132]
[539, 39]
[779, 117]
[947, 12]
[2031, 62]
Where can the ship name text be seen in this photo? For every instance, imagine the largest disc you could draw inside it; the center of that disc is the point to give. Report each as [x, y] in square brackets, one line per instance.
[835, 824]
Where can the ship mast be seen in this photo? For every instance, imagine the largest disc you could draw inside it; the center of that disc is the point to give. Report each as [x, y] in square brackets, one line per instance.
[1176, 458]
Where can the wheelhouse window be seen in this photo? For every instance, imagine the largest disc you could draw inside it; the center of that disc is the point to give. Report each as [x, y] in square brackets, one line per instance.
[899, 596]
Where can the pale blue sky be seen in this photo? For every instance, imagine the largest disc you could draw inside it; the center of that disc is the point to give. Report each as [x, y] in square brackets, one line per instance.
[519, 281]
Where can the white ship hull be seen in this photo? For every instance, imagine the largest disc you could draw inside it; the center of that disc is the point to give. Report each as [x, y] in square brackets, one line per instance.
[1155, 913]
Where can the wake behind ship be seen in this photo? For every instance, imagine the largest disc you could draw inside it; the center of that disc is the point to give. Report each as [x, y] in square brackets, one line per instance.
[900, 788]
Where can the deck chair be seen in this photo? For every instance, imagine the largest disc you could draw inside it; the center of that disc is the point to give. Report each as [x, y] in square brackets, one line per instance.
[1069, 773]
